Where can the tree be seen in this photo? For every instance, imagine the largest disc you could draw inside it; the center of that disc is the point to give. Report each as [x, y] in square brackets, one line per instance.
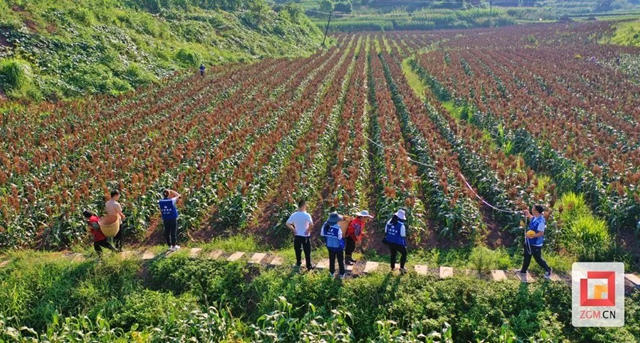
[344, 7]
[326, 6]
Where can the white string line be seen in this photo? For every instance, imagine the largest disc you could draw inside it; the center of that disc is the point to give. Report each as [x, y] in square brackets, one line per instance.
[462, 176]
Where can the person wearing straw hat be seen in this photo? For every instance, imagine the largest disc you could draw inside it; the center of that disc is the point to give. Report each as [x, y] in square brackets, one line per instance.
[170, 214]
[534, 240]
[354, 234]
[335, 243]
[395, 234]
[113, 208]
[99, 239]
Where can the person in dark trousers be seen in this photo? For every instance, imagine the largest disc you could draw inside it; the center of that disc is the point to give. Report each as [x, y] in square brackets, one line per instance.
[300, 223]
[202, 69]
[169, 210]
[99, 239]
[534, 240]
[395, 236]
[335, 244]
[354, 234]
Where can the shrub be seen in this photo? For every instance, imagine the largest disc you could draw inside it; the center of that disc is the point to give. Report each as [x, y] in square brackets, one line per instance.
[592, 237]
[188, 58]
[16, 78]
[483, 259]
[581, 233]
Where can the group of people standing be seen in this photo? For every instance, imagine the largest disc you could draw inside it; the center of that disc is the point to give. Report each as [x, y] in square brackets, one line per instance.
[341, 244]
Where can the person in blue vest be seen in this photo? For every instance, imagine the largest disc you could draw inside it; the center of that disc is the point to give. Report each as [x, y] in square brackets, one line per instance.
[169, 212]
[335, 243]
[202, 69]
[395, 233]
[534, 241]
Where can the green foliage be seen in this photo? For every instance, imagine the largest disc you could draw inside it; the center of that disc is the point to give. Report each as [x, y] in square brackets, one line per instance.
[424, 20]
[483, 259]
[188, 58]
[582, 232]
[74, 48]
[46, 298]
[326, 6]
[16, 78]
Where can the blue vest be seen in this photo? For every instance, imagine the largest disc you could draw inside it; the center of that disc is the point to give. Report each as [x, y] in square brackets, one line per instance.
[533, 225]
[393, 234]
[333, 242]
[168, 209]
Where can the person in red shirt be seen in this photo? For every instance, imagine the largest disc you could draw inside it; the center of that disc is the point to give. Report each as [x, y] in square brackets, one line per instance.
[354, 234]
[99, 239]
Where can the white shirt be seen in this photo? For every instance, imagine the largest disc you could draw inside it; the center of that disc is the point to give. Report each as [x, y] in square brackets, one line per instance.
[302, 222]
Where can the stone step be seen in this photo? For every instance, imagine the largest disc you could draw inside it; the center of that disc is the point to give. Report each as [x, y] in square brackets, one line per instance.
[421, 269]
[148, 255]
[498, 275]
[129, 254]
[235, 256]
[525, 278]
[257, 258]
[4, 263]
[215, 254]
[77, 257]
[323, 264]
[194, 252]
[277, 261]
[555, 277]
[446, 272]
[634, 279]
[370, 267]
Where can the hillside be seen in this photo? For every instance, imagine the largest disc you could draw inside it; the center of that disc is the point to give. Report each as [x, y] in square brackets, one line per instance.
[60, 49]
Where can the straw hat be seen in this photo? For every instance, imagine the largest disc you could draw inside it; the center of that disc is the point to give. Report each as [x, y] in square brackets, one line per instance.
[363, 213]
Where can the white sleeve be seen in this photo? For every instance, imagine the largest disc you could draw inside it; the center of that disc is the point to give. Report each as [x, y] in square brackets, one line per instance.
[340, 234]
[310, 219]
[289, 221]
[403, 231]
[541, 226]
[322, 230]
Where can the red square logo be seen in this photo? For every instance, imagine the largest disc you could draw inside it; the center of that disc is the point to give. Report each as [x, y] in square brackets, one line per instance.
[598, 298]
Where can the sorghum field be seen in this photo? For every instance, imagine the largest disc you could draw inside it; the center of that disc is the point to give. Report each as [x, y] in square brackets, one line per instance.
[538, 114]
[441, 123]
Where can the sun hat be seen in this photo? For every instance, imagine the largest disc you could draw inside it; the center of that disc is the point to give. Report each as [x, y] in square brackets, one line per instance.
[401, 215]
[363, 213]
[334, 218]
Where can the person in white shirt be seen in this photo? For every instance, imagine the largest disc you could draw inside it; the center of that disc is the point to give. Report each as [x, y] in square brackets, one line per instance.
[300, 223]
[113, 208]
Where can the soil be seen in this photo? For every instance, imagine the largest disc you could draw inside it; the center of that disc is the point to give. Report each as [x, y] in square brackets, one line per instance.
[4, 41]
[31, 25]
[496, 237]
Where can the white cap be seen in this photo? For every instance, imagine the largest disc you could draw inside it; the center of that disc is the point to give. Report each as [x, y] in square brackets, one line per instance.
[401, 214]
[364, 213]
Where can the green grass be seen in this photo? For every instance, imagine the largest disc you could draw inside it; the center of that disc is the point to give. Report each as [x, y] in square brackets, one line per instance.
[73, 48]
[627, 33]
[413, 79]
[206, 300]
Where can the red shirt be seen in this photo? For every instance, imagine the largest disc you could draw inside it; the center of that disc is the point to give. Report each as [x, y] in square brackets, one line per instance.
[356, 229]
[95, 229]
